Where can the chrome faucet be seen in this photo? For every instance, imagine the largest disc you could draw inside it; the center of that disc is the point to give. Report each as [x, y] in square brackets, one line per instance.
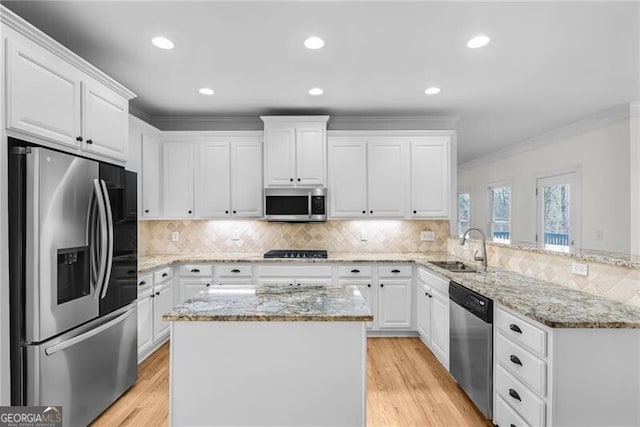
[483, 257]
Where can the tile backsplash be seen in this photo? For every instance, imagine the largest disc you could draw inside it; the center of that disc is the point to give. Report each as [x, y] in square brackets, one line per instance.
[200, 236]
[610, 281]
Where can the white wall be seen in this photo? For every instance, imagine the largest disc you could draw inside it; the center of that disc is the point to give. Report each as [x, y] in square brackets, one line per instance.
[602, 154]
[634, 160]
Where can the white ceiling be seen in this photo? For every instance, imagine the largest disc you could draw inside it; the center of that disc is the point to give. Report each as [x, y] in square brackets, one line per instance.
[548, 63]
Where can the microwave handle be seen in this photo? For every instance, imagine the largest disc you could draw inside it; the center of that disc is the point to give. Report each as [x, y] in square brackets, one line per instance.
[309, 204]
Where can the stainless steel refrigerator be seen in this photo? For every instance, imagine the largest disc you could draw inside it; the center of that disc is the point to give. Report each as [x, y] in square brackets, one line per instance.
[73, 267]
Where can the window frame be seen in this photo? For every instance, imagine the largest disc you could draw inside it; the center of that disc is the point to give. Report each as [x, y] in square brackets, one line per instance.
[491, 187]
[458, 222]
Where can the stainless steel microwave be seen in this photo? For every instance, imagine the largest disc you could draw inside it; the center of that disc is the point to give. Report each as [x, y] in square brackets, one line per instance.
[295, 204]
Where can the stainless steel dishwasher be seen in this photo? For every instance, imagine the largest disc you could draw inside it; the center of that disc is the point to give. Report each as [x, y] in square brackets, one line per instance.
[471, 345]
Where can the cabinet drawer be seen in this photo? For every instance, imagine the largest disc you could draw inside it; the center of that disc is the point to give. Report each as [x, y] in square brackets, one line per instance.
[521, 363]
[522, 332]
[520, 398]
[144, 282]
[354, 271]
[394, 271]
[162, 275]
[506, 416]
[234, 270]
[196, 270]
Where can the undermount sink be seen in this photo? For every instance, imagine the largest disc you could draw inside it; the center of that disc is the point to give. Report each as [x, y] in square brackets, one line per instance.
[454, 266]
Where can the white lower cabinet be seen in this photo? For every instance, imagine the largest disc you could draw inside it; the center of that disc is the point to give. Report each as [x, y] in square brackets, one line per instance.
[395, 296]
[155, 298]
[564, 376]
[361, 276]
[432, 305]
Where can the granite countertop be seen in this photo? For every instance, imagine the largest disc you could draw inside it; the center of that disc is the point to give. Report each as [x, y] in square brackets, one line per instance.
[274, 303]
[551, 304]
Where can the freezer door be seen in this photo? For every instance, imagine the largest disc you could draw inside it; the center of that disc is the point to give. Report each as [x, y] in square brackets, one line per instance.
[59, 257]
[87, 369]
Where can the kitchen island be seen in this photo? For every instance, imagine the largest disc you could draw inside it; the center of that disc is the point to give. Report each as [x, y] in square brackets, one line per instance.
[269, 355]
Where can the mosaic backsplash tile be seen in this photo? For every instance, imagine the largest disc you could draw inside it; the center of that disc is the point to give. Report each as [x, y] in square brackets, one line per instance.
[615, 282]
[260, 236]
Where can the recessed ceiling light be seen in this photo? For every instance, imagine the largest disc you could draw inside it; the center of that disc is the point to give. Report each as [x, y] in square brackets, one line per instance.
[206, 91]
[314, 43]
[162, 42]
[432, 90]
[315, 91]
[478, 41]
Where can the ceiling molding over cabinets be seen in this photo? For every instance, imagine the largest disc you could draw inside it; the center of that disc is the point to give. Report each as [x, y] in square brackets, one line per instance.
[21, 26]
[393, 123]
[594, 121]
[207, 123]
[142, 115]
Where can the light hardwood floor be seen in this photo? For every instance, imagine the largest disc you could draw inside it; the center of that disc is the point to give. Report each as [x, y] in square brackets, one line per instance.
[406, 386]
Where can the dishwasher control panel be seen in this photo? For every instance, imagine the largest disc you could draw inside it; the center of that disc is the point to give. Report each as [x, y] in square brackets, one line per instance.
[477, 304]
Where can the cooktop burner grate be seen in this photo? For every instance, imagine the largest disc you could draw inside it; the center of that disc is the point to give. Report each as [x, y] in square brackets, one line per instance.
[293, 253]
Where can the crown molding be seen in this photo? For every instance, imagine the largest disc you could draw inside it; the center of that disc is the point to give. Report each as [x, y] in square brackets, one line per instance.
[207, 123]
[140, 114]
[393, 123]
[388, 133]
[24, 28]
[281, 119]
[592, 122]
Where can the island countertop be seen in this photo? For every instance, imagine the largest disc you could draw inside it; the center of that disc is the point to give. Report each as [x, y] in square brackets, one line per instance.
[274, 303]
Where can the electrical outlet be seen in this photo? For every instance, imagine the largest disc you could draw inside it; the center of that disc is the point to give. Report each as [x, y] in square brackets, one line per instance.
[427, 236]
[175, 236]
[580, 269]
[363, 236]
[235, 235]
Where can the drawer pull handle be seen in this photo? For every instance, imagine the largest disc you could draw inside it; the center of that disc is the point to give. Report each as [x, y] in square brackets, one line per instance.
[514, 394]
[515, 360]
[369, 285]
[165, 274]
[355, 270]
[382, 285]
[131, 271]
[515, 328]
[395, 271]
[208, 284]
[235, 270]
[195, 270]
[513, 425]
[142, 283]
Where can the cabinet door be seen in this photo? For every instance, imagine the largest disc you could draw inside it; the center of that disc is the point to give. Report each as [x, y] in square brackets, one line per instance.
[177, 184]
[189, 288]
[279, 157]
[311, 157]
[347, 179]
[105, 121]
[423, 306]
[145, 322]
[430, 178]
[394, 304]
[440, 327]
[246, 179]
[366, 290]
[150, 176]
[387, 179]
[162, 303]
[213, 186]
[43, 94]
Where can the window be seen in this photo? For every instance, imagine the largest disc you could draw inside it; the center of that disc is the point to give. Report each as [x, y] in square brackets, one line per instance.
[501, 213]
[558, 212]
[463, 212]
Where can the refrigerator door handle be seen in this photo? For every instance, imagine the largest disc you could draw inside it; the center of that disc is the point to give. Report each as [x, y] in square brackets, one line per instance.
[107, 204]
[85, 336]
[102, 212]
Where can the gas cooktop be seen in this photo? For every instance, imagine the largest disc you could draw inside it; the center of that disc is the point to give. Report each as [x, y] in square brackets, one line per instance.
[293, 253]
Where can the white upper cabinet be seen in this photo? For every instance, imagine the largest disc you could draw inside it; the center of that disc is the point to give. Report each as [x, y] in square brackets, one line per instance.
[177, 182]
[430, 183]
[386, 176]
[246, 179]
[389, 174]
[213, 186]
[105, 121]
[151, 174]
[295, 151]
[347, 178]
[43, 94]
[56, 99]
